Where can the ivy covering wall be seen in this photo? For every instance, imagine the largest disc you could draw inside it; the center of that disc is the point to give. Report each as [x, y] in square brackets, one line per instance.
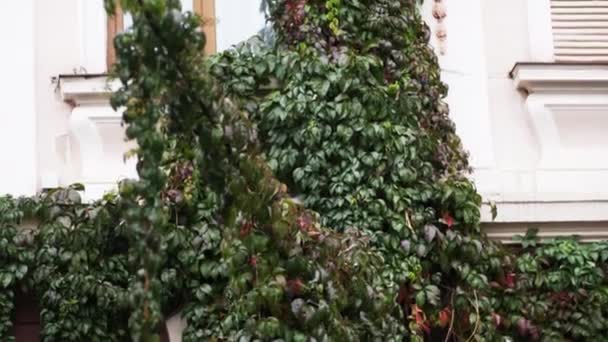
[307, 188]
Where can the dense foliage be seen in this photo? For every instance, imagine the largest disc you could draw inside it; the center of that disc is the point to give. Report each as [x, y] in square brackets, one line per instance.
[348, 114]
[355, 124]
[557, 291]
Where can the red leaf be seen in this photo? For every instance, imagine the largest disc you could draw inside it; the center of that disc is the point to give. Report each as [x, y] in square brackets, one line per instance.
[305, 223]
[496, 319]
[523, 326]
[445, 316]
[510, 280]
[246, 228]
[295, 286]
[253, 261]
[448, 220]
[425, 326]
[403, 294]
[420, 319]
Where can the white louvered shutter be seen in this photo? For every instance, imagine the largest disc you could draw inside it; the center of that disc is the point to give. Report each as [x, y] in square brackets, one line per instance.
[580, 30]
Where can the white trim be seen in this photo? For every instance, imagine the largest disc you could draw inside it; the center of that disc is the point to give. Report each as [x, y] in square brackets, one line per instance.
[87, 89]
[91, 114]
[566, 188]
[583, 231]
[540, 30]
[539, 211]
[568, 89]
[561, 78]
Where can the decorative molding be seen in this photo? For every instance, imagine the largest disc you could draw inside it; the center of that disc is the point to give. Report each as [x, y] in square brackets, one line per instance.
[584, 231]
[79, 90]
[441, 34]
[96, 129]
[561, 78]
[564, 194]
[545, 211]
[558, 93]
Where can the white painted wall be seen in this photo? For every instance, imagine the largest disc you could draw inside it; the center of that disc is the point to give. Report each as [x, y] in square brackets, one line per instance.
[18, 134]
[540, 180]
[61, 48]
[464, 69]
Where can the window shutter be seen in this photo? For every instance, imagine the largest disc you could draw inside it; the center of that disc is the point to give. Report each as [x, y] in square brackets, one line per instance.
[580, 30]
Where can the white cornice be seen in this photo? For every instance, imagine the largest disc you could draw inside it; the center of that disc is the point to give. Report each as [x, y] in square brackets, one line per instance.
[96, 129]
[538, 211]
[86, 89]
[561, 77]
[583, 231]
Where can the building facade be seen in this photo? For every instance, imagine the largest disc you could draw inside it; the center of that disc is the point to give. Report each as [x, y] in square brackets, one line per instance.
[528, 93]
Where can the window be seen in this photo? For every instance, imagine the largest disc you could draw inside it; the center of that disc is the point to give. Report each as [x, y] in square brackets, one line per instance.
[580, 30]
[204, 8]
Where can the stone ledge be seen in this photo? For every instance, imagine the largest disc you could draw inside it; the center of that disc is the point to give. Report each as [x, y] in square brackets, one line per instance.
[584, 231]
[558, 212]
[86, 89]
[564, 77]
[94, 145]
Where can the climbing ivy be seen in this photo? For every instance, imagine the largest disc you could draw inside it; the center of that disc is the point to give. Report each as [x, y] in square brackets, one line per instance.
[351, 117]
[14, 260]
[349, 105]
[368, 232]
[557, 291]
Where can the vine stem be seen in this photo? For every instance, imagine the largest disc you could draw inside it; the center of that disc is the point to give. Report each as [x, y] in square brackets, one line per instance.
[476, 317]
[449, 333]
[146, 289]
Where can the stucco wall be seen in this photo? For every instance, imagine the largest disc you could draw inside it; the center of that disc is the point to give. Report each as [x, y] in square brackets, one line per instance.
[17, 99]
[515, 145]
[58, 49]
